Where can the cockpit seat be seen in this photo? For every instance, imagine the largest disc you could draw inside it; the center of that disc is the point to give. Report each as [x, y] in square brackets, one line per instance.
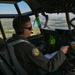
[7, 52]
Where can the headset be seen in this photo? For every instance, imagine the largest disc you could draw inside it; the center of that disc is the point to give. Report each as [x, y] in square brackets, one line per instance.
[19, 29]
[18, 23]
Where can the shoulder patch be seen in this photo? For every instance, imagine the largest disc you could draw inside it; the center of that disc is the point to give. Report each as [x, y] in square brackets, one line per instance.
[35, 52]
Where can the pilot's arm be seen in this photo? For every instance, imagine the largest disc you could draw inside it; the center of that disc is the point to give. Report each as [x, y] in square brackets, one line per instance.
[47, 64]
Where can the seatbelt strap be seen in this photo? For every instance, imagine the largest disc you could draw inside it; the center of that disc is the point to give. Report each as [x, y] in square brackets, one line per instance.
[18, 41]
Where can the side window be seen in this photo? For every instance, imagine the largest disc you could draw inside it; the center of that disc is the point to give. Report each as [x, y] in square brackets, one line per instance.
[7, 26]
[7, 23]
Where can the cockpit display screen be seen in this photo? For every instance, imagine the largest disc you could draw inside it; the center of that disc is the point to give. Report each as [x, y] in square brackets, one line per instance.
[50, 40]
[55, 39]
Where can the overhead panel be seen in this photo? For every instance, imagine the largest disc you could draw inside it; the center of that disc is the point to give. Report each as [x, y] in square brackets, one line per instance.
[9, 1]
[57, 5]
[52, 5]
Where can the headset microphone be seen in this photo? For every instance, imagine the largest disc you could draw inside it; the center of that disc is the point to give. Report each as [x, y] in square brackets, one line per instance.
[32, 32]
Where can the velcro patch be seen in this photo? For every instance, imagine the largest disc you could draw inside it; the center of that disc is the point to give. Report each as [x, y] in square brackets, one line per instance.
[35, 52]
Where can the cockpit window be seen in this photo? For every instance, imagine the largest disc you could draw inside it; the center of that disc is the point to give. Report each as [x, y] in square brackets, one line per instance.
[8, 28]
[7, 9]
[24, 7]
[10, 8]
[72, 18]
[35, 27]
[56, 21]
[7, 23]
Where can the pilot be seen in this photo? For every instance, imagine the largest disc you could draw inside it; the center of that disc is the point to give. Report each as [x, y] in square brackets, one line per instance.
[29, 56]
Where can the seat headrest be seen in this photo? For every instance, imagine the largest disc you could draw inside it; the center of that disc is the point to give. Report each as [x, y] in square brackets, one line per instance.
[1, 42]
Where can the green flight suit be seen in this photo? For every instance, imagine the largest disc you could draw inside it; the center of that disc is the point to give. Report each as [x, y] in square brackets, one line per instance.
[31, 58]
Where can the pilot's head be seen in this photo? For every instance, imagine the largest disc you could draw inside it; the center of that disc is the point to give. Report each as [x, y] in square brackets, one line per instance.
[22, 25]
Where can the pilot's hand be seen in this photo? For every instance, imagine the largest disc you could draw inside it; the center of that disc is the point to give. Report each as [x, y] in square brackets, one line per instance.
[64, 49]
